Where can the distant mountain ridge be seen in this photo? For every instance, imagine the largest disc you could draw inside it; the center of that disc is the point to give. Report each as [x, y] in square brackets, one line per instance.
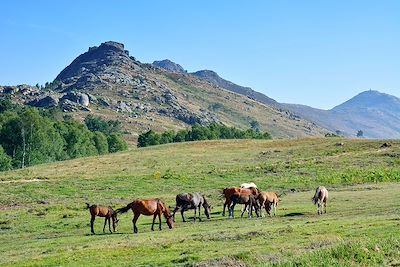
[376, 114]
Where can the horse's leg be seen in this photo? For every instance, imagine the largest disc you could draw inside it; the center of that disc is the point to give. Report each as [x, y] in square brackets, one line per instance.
[243, 210]
[183, 217]
[134, 220]
[225, 205]
[232, 209]
[195, 210]
[199, 213]
[275, 204]
[109, 224]
[325, 204]
[173, 213]
[154, 219]
[91, 224]
[159, 220]
[105, 223]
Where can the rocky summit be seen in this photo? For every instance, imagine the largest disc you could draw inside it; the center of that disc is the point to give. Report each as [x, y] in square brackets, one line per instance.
[169, 65]
[108, 82]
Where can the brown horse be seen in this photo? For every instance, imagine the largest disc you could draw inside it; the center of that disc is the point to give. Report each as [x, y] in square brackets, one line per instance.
[103, 211]
[269, 201]
[228, 192]
[321, 198]
[148, 207]
[249, 200]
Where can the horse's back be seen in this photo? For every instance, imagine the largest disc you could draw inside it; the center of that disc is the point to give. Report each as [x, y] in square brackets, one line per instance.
[145, 206]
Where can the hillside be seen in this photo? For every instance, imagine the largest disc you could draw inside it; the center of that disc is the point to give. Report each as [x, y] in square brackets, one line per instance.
[43, 220]
[376, 114]
[107, 81]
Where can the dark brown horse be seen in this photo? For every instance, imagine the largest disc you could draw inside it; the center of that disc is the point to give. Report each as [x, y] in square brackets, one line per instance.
[148, 207]
[249, 200]
[103, 211]
[228, 192]
[187, 201]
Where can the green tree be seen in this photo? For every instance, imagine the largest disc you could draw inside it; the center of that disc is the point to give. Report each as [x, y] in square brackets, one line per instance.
[116, 143]
[78, 139]
[101, 142]
[5, 160]
[149, 138]
[360, 133]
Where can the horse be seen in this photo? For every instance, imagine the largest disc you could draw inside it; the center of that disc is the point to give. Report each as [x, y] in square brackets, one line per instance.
[148, 207]
[248, 185]
[321, 198]
[228, 192]
[102, 211]
[268, 200]
[248, 199]
[188, 201]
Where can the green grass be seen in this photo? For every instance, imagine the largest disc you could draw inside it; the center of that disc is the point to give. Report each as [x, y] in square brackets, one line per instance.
[362, 226]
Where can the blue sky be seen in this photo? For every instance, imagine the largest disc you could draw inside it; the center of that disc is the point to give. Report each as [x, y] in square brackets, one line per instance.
[318, 53]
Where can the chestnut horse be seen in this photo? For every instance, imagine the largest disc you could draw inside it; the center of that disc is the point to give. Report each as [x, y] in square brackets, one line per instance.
[228, 192]
[320, 197]
[148, 207]
[269, 201]
[103, 211]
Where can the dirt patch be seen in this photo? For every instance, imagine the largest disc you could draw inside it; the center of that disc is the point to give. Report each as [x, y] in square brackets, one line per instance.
[225, 261]
[21, 181]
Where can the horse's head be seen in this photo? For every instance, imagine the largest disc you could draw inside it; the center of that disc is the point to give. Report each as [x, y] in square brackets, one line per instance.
[170, 221]
[115, 221]
[207, 210]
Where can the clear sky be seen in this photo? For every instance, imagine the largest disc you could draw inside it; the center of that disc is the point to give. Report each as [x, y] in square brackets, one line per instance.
[318, 53]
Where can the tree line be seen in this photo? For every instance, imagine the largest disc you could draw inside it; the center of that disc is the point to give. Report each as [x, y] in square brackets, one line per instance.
[30, 136]
[197, 132]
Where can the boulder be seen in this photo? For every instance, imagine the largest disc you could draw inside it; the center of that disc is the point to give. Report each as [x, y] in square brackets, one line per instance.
[45, 102]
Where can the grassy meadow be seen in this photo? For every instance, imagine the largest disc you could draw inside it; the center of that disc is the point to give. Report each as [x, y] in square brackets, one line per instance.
[43, 220]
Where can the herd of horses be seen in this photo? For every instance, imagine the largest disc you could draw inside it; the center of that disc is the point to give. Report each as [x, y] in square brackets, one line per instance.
[247, 194]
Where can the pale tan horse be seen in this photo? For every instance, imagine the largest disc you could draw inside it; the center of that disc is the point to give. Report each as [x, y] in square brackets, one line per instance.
[269, 201]
[320, 198]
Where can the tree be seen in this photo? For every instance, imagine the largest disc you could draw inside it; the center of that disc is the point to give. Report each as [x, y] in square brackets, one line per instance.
[360, 133]
[101, 142]
[149, 138]
[5, 160]
[116, 143]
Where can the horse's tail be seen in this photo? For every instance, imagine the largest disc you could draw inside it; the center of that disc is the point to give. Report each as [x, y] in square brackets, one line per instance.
[87, 205]
[316, 196]
[125, 209]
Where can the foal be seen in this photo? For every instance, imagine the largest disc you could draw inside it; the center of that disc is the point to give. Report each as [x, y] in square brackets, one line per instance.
[269, 201]
[102, 211]
[320, 198]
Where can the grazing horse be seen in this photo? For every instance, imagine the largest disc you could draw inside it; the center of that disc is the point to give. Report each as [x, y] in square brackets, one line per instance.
[320, 198]
[228, 192]
[249, 200]
[248, 185]
[187, 201]
[148, 207]
[269, 201]
[102, 211]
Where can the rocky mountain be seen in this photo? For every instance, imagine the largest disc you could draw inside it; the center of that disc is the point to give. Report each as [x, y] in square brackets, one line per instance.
[108, 82]
[376, 114]
[169, 65]
[215, 79]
